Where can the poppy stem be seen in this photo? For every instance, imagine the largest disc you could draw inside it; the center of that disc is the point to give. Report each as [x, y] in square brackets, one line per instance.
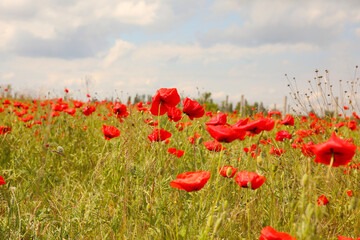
[331, 164]
[257, 144]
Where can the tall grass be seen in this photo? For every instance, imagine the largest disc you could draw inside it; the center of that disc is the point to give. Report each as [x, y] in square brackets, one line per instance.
[65, 182]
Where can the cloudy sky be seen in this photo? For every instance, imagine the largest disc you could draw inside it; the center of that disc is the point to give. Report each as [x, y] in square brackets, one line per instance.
[227, 47]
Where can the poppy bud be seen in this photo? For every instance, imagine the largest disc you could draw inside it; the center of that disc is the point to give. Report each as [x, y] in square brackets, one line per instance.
[218, 223]
[209, 221]
[319, 212]
[229, 172]
[353, 203]
[259, 160]
[200, 140]
[309, 209]
[305, 180]
[274, 168]
[225, 205]
[60, 149]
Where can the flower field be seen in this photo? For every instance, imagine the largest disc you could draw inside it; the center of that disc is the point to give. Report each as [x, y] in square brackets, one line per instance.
[170, 169]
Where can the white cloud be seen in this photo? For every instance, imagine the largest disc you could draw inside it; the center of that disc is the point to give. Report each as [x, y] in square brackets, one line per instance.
[317, 22]
[7, 76]
[232, 47]
[121, 49]
[357, 33]
[6, 33]
[142, 12]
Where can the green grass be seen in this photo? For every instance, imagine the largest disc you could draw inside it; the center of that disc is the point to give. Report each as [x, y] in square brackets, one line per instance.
[120, 189]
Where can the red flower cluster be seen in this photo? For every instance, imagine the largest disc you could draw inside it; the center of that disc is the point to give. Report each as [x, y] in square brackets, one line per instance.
[322, 200]
[281, 135]
[5, 130]
[176, 152]
[88, 110]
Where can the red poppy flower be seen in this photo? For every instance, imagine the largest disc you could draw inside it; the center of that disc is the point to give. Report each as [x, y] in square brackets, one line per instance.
[219, 119]
[7, 102]
[159, 135]
[306, 149]
[270, 113]
[322, 200]
[120, 110]
[340, 124]
[336, 148]
[349, 193]
[259, 125]
[87, 110]
[191, 181]
[288, 120]
[281, 135]
[347, 238]
[180, 126]
[151, 122]
[214, 146]
[2, 182]
[209, 113]
[268, 233]
[54, 114]
[227, 171]
[164, 99]
[66, 90]
[346, 108]
[225, 134]
[70, 111]
[249, 179]
[78, 104]
[110, 132]
[241, 122]
[57, 108]
[276, 151]
[176, 152]
[174, 114]
[355, 115]
[4, 130]
[352, 125]
[194, 138]
[140, 107]
[193, 109]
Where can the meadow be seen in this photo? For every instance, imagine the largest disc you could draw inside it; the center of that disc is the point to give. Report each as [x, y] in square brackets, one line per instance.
[171, 169]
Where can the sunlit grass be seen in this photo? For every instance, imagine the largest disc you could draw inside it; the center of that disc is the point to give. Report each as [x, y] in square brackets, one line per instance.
[65, 182]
